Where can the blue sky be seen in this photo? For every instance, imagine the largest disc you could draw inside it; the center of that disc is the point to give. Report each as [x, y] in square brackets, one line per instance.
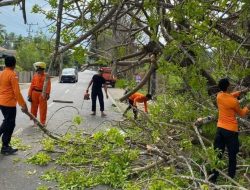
[11, 17]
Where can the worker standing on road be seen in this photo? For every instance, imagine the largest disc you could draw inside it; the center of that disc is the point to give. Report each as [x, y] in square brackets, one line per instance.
[35, 92]
[10, 95]
[137, 98]
[227, 126]
[97, 81]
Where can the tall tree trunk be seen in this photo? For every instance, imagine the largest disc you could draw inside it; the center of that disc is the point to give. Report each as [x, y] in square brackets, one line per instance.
[58, 35]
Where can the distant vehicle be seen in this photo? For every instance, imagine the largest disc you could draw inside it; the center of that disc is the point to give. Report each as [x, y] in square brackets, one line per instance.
[69, 75]
[2, 67]
[107, 75]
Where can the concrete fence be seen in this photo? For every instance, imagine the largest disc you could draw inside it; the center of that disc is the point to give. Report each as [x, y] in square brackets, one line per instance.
[26, 76]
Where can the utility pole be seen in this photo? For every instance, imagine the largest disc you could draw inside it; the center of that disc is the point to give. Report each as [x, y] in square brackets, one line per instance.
[60, 65]
[30, 30]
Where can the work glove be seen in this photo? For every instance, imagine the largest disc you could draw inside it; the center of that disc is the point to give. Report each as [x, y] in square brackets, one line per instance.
[24, 109]
[29, 99]
[47, 96]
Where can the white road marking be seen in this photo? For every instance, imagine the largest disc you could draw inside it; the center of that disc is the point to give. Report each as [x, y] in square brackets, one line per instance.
[66, 91]
[51, 104]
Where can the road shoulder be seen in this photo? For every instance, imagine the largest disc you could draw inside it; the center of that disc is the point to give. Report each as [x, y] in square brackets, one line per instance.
[115, 94]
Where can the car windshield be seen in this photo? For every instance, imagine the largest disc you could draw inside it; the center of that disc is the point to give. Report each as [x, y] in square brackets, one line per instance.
[68, 71]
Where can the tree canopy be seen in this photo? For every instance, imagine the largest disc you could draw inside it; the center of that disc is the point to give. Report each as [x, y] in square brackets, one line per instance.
[188, 45]
[181, 33]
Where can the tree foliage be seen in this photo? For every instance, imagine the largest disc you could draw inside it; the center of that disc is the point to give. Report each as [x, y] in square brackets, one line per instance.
[190, 44]
[207, 34]
[32, 50]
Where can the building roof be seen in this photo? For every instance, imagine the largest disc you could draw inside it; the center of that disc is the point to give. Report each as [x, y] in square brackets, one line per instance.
[4, 51]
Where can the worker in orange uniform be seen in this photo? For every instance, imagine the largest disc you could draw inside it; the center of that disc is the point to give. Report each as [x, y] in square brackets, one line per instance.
[227, 125]
[35, 95]
[137, 98]
[10, 95]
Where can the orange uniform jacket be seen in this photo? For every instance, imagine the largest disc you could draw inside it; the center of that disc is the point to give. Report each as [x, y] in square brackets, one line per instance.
[37, 84]
[229, 107]
[9, 89]
[38, 101]
[138, 97]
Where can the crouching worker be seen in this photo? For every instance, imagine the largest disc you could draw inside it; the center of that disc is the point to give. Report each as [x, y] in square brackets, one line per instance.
[137, 98]
[35, 95]
[227, 125]
[10, 95]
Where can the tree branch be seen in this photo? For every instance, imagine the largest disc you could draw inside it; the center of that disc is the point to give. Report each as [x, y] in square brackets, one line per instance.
[232, 35]
[91, 31]
[144, 80]
[11, 2]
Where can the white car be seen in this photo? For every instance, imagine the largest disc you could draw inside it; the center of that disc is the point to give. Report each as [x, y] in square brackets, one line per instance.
[69, 75]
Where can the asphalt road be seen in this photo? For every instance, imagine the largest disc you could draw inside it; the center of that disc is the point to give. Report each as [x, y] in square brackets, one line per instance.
[15, 174]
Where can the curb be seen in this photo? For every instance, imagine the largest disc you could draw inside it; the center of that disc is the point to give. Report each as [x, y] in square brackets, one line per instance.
[114, 95]
[114, 102]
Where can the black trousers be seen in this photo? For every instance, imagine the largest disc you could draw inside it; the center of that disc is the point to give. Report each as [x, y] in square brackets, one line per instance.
[94, 95]
[135, 111]
[225, 138]
[8, 125]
